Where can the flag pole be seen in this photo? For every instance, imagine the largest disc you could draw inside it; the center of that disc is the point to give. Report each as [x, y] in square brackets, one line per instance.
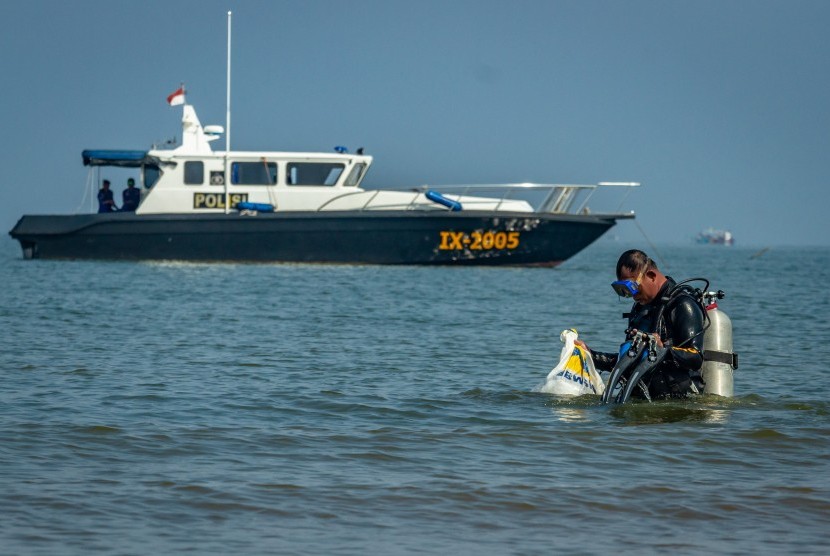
[228, 119]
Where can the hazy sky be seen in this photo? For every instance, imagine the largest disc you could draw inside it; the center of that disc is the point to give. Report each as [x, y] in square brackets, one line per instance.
[720, 108]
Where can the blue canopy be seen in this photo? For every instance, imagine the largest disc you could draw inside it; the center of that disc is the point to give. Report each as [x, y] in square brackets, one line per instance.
[125, 159]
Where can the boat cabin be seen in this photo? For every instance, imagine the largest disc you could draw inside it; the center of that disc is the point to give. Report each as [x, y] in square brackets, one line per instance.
[192, 178]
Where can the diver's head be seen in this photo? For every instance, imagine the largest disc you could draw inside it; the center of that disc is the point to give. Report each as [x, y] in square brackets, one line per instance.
[638, 277]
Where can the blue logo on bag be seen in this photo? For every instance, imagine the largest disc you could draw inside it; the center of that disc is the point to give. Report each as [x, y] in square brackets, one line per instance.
[579, 379]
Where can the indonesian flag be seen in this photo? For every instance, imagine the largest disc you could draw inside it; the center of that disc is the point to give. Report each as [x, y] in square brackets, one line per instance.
[176, 98]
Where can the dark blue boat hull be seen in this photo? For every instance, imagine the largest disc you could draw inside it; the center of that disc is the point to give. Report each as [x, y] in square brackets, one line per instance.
[419, 238]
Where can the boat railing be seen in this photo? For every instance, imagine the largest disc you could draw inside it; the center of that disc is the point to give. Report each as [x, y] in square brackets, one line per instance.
[543, 198]
[371, 196]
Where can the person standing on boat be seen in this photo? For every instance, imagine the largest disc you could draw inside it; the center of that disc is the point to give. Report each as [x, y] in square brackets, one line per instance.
[131, 197]
[669, 313]
[105, 200]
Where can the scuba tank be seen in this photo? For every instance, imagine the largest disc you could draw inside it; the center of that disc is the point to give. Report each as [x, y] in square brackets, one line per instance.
[719, 361]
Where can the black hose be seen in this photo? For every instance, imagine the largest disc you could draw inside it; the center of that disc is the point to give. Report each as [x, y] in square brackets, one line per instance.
[624, 363]
[677, 290]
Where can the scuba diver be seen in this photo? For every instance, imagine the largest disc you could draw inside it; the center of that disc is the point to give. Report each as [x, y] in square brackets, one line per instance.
[664, 337]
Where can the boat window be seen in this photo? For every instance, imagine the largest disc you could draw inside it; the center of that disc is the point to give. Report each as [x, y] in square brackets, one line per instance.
[314, 173]
[151, 176]
[254, 173]
[355, 175]
[194, 172]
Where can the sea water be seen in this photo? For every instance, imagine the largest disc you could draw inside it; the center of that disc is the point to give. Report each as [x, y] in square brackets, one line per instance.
[321, 409]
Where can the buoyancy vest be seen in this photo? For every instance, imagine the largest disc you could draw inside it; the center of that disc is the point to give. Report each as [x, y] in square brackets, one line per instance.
[677, 317]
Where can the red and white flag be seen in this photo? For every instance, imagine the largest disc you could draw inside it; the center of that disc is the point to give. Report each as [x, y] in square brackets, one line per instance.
[176, 98]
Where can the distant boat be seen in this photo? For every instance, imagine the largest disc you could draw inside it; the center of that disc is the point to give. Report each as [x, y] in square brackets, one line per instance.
[710, 236]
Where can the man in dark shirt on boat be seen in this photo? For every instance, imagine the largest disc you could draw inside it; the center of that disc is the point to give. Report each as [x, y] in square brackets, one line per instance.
[131, 197]
[105, 201]
[670, 314]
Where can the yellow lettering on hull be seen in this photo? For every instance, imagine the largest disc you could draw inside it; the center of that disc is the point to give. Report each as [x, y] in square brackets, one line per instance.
[217, 200]
[478, 241]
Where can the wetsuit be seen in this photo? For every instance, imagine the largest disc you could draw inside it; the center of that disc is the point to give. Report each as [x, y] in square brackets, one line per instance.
[680, 328]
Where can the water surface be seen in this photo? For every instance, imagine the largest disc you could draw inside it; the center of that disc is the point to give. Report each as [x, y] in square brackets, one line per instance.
[314, 409]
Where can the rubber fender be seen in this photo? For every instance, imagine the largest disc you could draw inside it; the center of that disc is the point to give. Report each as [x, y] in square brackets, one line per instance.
[259, 207]
[436, 197]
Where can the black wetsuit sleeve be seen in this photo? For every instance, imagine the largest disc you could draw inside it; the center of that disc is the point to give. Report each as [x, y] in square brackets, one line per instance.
[604, 361]
[686, 332]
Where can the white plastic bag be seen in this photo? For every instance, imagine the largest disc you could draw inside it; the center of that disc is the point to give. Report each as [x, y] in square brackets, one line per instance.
[575, 374]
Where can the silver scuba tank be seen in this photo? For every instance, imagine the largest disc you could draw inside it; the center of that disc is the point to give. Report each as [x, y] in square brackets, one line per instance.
[719, 361]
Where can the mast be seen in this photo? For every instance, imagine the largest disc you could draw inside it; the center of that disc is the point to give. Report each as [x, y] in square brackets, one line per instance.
[228, 119]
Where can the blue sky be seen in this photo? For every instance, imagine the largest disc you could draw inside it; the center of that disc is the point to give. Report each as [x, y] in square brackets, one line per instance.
[720, 108]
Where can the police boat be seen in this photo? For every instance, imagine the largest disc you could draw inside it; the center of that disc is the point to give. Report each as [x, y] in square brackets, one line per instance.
[640, 356]
[198, 204]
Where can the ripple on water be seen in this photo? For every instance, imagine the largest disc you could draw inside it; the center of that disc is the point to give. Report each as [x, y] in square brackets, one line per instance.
[352, 409]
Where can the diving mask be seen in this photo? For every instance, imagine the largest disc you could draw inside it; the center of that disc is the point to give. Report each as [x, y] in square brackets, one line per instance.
[628, 288]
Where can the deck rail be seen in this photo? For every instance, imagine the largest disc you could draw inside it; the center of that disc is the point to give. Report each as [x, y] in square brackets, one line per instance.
[544, 198]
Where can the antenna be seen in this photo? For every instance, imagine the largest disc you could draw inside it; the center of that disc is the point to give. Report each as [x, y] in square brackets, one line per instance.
[228, 119]
[228, 108]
